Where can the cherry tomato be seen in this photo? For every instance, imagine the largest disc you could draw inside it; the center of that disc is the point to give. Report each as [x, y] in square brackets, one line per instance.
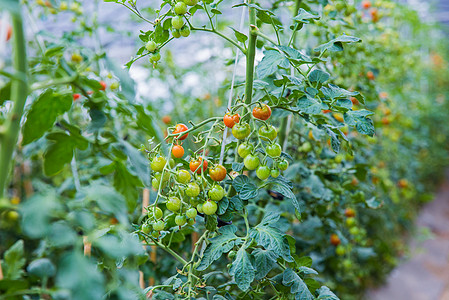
[263, 172]
[199, 208]
[180, 220]
[217, 173]
[268, 133]
[193, 189]
[370, 75]
[283, 165]
[151, 46]
[191, 2]
[103, 85]
[183, 176]
[275, 173]
[210, 207]
[176, 33]
[245, 149]
[340, 250]
[146, 228]
[190, 221]
[349, 212]
[350, 222]
[177, 22]
[76, 97]
[166, 119]
[180, 8]
[195, 165]
[366, 4]
[158, 163]
[232, 254]
[159, 225]
[173, 204]
[262, 112]
[354, 230]
[157, 213]
[251, 161]
[155, 234]
[191, 213]
[180, 128]
[216, 193]
[335, 240]
[274, 150]
[306, 147]
[185, 31]
[230, 121]
[241, 130]
[8, 31]
[155, 57]
[177, 151]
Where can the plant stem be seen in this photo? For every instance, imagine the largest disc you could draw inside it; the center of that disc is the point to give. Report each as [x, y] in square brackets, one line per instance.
[221, 35]
[251, 54]
[19, 92]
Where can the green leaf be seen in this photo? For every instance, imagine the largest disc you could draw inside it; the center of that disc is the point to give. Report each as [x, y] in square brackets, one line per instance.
[324, 293]
[222, 243]
[318, 76]
[305, 16]
[41, 268]
[298, 286]
[270, 63]
[309, 105]
[14, 261]
[215, 11]
[242, 270]
[359, 119]
[236, 203]
[240, 36]
[248, 191]
[264, 261]
[58, 154]
[373, 203]
[36, 214]
[43, 113]
[222, 206]
[127, 184]
[5, 92]
[211, 222]
[337, 44]
[239, 182]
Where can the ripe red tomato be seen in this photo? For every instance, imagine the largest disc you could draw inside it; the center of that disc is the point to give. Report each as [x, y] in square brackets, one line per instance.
[366, 4]
[217, 173]
[195, 165]
[181, 128]
[103, 85]
[262, 112]
[177, 151]
[370, 75]
[166, 119]
[230, 121]
[335, 240]
[349, 212]
[76, 97]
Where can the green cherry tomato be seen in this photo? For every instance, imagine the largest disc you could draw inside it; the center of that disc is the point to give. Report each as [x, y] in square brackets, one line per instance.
[185, 31]
[183, 176]
[193, 189]
[241, 130]
[155, 234]
[350, 221]
[155, 57]
[245, 149]
[274, 150]
[190, 221]
[199, 208]
[176, 33]
[251, 161]
[191, 2]
[354, 230]
[232, 254]
[306, 147]
[210, 207]
[173, 204]
[216, 193]
[177, 22]
[191, 213]
[180, 8]
[283, 165]
[194, 201]
[275, 173]
[159, 225]
[340, 250]
[146, 228]
[151, 46]
[180, 220]
[268, 133]
[158, 163]
[263, 172]
[157, 180]
[157, 213]
[339, 158]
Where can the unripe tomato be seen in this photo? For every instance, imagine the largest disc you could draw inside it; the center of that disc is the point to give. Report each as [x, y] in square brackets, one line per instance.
[210, 207]
[232, 254]
[335, 240]
[338, 117]
[185, 31]
[157, 213]
[151, 46]
[199, 208]
[76, 97]
[159, 225]
[268, 133]
[180, 8]
[173, 204]
[158, 163]
[63, 5]
[340, 250]
[183, 176]
[241, 130]
[177, 22]
[217, 173]
[274, 150]
[76, 58]
[193, 189]
[262, 112]
[180, 220]
[283, 165]
[354, 230]
[339, 158]
[275, 173]
[155, 57]
[176, 33]
[216, 193]
[191, 2]
[245, 149]
[196, 163]
[103, 85]
[349, 212]
[191, 213]
[146, 228]
[350, 221]
[115, 85]
[177, 151]
[306, 147]
[181, 128]
[230, 121]
[190, 221]
[347, 264]
[263, 172]
[251, 162]
[155, 234]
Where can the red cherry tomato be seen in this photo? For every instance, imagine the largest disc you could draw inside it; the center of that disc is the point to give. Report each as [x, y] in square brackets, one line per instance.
[366, 4]
[217, 173]
[262, 112]
[177, 151]
[166, 119]
[196, 163]
[230, 121]
[335, 240]
[181, 128]
[103, 85]
[76, 97]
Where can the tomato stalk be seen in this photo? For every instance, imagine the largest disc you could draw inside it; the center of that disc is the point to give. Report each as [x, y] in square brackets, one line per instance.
[251, 53]
[19, 92]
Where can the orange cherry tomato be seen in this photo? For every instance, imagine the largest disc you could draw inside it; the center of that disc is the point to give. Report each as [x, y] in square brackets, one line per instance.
[180, 128]
[8, 31]
[366, 4]
[230, 121]
[355, 101]
[217, 173]
[166, 119]
[196, 163]
[349, 212]
[262, 112]
[370, 75]
[335, 240]
[177, 151]
[76, 97]
[103, 85]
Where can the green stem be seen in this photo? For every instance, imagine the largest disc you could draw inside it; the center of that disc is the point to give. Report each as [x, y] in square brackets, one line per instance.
[251, 54]
[221, 35]
[19, 92]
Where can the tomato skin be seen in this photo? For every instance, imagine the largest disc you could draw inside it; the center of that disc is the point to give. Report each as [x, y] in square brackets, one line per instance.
[199, 208]
[173, 204]
[245, 149]
[176, 33]
[177, 22]
[177, 151]
[366, 4]
[241, 131]
[151, 46]
[262, 112]
[185, 31]
[180, 8]
[283, 165]
[340, 250]
[275, 173]
[370, 75]
[103, 85]
[349, 212]
[146, 228]
[268, 133]
[191, 2]
[157, 213]
[263, 172]
[191, 213]
[180, 128]
[251, 162]
[76, 97]
[334, 239]
[158, 163]
[350, 222]
[183, 176]
[193, 189]
[166, 119]
[180, 220]
[230, 120]
[155, 57]
[217, 173]
[216, 193]
[195, 165]
[159, 225]
[274, 150]
[210, 207]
